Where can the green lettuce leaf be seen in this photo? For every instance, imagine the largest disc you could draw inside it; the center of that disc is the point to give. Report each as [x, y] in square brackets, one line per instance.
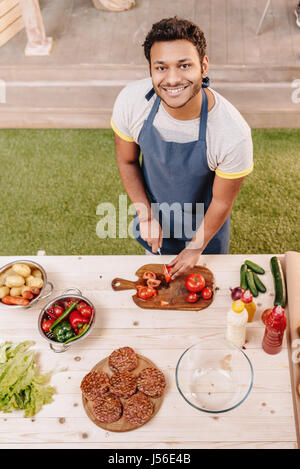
[21, 386]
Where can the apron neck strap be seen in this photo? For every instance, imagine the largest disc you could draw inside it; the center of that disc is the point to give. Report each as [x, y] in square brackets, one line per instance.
[203, 116]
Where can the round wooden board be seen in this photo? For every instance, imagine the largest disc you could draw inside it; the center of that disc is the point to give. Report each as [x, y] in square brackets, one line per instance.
[121, 425]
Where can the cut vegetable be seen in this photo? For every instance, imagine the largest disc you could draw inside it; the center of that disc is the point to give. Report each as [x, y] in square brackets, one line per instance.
[279, 282]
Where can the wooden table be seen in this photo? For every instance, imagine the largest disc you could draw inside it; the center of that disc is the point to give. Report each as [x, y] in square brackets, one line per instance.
[264, 420]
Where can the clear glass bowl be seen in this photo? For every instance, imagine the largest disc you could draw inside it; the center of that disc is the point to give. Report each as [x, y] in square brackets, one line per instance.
[214, 376]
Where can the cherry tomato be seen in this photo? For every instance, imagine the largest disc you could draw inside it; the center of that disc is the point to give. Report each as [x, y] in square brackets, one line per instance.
[194, 282]
[46, 324]
[86, 311]
[149, 274]
[192, 297]
[58, 310]
[151, 282]
[206, 293]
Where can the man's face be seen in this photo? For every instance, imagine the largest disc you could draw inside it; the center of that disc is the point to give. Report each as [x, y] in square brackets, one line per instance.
[176, 71]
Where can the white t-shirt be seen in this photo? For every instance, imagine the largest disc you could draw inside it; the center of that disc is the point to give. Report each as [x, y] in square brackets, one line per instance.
[228, 136]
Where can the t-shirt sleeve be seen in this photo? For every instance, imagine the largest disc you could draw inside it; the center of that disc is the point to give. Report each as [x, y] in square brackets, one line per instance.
[121, 117]
[238, 161]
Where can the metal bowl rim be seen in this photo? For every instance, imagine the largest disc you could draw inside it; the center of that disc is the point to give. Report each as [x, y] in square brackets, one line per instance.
[36, 264]
[59, 298]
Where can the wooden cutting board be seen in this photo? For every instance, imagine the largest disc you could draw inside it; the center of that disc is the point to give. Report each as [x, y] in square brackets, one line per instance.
[121, 425]
[171, 295]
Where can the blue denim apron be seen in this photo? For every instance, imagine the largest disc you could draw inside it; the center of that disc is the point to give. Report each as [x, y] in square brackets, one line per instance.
[178, 173]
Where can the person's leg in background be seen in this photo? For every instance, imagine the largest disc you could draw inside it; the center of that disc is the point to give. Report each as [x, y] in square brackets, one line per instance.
[297, 13]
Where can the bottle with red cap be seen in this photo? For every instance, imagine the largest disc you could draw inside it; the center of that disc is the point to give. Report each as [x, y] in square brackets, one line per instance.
[247, 299]
[275, 327]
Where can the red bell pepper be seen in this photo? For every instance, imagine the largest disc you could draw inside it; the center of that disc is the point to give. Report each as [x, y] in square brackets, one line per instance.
[77, 321]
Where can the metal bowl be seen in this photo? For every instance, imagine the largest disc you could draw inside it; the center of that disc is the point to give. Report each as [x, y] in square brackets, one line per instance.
[40, 296]
[59, 347]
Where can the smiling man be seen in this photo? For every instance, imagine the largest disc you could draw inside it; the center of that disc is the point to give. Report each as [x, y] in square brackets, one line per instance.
[196, 148]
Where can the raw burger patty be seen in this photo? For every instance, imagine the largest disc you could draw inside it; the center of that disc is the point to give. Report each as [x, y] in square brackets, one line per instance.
[123, 359]
[107, 408]
[122, 384]
[138, 409]
[151, 382]
[94, 384]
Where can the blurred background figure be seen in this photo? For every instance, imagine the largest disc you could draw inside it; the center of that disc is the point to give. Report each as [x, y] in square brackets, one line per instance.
[297, 13]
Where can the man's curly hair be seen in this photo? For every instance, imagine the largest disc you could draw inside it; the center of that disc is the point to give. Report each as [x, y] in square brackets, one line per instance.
[171, 29]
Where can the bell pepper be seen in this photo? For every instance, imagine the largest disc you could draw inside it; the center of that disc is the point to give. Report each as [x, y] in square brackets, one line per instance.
[77, 321]
[63, 332]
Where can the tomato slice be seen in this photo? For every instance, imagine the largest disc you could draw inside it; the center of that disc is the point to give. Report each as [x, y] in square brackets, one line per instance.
[153, 282]
[149, 274]
[146, 292]
[167, 270]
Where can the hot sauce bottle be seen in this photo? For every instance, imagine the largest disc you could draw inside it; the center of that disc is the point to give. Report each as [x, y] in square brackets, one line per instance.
[275, 327]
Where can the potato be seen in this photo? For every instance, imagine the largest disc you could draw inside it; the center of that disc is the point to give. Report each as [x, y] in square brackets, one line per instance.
[37, 273]
[15, 291]
[4, 291]
[34, 281]
[14, 281]
[22, 269]
[5, 274]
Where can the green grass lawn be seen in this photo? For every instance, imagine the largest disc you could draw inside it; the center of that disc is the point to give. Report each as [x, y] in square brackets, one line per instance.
[53, 180]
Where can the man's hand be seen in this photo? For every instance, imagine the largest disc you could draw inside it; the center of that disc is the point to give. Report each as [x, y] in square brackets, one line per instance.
[151, 232]
[184, 262]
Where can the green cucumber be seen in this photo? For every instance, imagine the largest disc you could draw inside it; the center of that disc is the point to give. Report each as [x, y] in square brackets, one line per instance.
[258, 283]
[243, 280]
[254, 267]
[279, 282]
[251, 284]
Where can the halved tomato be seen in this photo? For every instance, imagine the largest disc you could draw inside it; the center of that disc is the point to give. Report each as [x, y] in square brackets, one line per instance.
[149, 274]
[146, 292]
[153, 282]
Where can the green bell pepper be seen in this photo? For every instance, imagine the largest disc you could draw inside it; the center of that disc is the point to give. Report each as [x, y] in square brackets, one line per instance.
[63, 332]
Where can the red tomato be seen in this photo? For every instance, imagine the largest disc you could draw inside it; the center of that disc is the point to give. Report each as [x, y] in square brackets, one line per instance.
[194, 282]
[58, 310]
[206, 293]
[149, 274]
[81, 305]
[146, 292]
[151, 282]
[167, 271]
[46, 324]
[192, 297]
[86, 311]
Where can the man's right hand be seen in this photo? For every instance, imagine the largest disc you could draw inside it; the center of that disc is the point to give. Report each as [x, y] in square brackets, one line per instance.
[151, 232]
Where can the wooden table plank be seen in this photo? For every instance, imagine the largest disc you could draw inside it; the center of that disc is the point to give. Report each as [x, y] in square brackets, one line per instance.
[162, 336]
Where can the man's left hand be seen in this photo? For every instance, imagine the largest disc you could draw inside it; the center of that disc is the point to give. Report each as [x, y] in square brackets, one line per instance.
[184, 262]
